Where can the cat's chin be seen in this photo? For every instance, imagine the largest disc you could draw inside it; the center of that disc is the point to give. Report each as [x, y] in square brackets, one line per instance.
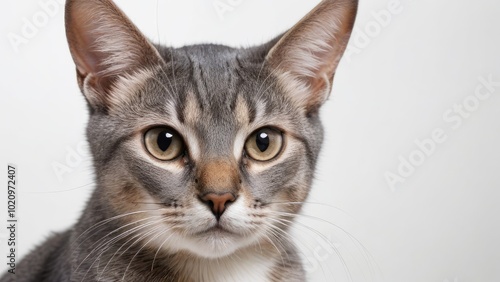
[213, 243]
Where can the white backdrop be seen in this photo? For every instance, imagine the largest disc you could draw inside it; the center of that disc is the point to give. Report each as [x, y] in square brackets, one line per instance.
[411, 159]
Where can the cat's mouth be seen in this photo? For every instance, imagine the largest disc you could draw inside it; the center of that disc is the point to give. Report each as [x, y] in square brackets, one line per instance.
[216, 230]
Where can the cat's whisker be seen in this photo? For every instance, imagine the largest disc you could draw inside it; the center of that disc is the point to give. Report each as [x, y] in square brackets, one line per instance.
[277, 249]
[326, 240]
[158, 251]
[337, 251]
[106, 221]
[173, 69]
[154, 237]
[266, 235]
[366, 253]
[115, 253]
[261, 68]
[286, 235]
[170, 91]
[311, 203]
[157, 20]
[292, 225]
[103, 223]
[127, 232]
[154, 230]
[260, 246]
[272, 229]
[59, 191]
[269, 86]
[149, 203]
[123, 234]
[275, 70]
[107, 244]
[167, 77]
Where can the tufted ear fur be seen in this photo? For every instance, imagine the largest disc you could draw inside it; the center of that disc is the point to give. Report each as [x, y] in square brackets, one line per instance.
[306, 57]
[107, 49]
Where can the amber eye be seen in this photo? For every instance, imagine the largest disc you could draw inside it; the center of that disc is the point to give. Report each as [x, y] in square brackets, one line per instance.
[164, 143]
[264, 144]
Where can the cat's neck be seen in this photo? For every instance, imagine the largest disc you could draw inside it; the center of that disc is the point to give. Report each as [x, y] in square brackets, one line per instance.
[251, 264]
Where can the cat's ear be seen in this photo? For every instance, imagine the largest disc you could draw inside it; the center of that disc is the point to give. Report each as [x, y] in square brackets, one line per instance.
[106, 47]
[306, 57]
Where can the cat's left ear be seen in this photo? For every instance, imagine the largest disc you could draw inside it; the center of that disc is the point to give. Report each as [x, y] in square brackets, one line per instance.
[306, 57]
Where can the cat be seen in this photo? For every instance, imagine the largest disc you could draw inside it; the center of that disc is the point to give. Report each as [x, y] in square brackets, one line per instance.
[203, 154]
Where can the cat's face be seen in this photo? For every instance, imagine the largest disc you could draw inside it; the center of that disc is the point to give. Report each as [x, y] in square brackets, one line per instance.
[182, 145]
[210, 149]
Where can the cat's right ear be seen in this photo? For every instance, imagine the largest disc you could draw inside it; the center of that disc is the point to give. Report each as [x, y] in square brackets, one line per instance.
[107, 49]
[306, 57]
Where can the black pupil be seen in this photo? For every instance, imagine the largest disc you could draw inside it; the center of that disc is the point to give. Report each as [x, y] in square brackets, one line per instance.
[164, 140]
[262, 141]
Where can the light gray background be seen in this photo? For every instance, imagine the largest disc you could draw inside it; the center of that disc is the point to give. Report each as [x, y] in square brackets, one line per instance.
[441, 224]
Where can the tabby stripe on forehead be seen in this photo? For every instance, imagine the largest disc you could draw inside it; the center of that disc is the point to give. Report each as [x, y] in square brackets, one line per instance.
[248, 103]
[252, 111]
[239, 67]
[179, 111]
[238, 81]
[241, 110]
[191, 109]
[201, 85]
[195, 76]
[233, 87]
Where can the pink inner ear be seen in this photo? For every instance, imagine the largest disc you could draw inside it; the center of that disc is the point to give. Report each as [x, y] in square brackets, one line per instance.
[82, 36]
[310, 51]
[79, 32]
[86, 62]
[103, 41]
[105, 44]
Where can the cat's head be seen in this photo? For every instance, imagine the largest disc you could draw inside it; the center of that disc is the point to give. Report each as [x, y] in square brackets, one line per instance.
[210, 148]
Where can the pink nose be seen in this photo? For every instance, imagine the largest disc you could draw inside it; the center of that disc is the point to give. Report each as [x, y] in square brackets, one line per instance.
[217, 202]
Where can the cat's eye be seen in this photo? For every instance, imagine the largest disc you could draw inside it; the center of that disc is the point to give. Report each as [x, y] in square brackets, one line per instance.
[264, 144]
[164, 143]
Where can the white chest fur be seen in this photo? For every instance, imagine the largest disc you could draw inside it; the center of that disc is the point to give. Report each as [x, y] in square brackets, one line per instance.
[242, 267]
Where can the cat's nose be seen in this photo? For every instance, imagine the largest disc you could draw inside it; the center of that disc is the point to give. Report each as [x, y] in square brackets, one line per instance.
[217, 202]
